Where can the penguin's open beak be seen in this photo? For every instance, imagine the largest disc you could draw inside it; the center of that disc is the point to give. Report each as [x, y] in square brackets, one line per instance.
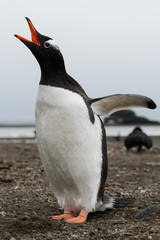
[34, 34]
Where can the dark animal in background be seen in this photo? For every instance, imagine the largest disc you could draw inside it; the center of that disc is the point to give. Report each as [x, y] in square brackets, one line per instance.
[137, 138]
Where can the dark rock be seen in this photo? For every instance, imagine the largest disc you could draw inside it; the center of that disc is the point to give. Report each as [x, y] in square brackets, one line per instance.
[127, 117]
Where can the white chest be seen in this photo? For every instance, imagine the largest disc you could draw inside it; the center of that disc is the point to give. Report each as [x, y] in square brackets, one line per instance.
[61, 117]
[69, 145]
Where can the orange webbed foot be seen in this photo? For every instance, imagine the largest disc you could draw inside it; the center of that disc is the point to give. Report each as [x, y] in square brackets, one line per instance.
[67, 215]
[81, 218]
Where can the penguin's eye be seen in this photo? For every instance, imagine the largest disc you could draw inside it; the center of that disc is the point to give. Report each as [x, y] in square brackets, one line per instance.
[51, 43]
[47, 44]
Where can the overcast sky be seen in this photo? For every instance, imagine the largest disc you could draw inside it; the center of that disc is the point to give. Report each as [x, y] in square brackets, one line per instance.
[109, 47]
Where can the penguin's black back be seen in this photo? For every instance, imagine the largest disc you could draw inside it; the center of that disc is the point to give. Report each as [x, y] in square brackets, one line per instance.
[137, 139]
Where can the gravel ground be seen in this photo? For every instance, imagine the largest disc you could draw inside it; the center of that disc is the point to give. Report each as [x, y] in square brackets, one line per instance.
[27, 202]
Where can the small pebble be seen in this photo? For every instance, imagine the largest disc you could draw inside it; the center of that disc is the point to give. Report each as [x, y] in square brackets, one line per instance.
[50, 238]
[3, 213]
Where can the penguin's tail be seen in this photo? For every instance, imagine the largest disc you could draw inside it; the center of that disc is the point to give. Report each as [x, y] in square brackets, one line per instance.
[111, 203]
[123, 202]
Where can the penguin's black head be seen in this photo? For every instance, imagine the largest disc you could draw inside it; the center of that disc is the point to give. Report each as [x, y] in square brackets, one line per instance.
[44, 49]
[137, 129]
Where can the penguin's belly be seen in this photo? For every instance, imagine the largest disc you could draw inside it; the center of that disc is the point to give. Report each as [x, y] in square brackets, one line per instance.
[70, 147]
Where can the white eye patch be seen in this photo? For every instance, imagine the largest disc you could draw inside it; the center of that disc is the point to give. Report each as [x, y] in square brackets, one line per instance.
[51, 43]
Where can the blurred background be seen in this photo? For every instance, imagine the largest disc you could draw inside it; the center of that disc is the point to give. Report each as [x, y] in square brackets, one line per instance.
[109, 47]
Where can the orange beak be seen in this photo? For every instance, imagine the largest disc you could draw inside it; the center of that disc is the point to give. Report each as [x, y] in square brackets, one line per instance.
[33, 34]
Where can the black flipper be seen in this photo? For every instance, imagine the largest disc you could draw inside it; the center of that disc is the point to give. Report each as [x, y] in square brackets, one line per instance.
[113, 103]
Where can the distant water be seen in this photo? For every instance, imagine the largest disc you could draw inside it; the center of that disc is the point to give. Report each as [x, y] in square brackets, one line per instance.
[29, 132]
[150, 130]
[17, 132]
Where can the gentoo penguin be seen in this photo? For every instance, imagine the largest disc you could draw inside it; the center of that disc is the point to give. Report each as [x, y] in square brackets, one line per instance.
[70, 134]
[137, 138]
